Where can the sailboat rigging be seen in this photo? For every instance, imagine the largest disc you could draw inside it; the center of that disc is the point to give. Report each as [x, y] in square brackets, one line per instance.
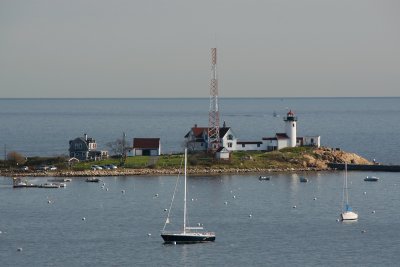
[187, 235]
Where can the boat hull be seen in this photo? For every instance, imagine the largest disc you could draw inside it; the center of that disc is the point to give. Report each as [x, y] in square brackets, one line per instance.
[187, 238]
[349, 216]
[371, 179]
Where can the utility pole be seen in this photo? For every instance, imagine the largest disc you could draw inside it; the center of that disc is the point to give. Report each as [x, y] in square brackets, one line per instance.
[123, 152]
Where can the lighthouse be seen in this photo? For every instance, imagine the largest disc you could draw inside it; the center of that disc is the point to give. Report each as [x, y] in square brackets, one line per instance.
[290, 126]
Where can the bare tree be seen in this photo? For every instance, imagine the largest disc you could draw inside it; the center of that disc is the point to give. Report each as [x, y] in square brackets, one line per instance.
[16, 158]
[117, 147]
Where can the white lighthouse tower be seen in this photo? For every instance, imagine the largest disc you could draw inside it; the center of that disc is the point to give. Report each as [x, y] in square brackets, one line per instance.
[290, 126]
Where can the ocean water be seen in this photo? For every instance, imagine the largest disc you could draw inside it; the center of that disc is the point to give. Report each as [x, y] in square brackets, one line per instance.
[367, 126]
[124, 229]
[116, 228]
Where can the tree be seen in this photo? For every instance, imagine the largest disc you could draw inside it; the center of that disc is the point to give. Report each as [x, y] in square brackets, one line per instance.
[117, 147]
[16, 158]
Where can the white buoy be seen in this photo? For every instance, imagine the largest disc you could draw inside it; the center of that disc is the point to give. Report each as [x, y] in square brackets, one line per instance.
[250, 215]
[192, 199]
[365, 193]
[198, 224]
[49, 201]
[363, 231]
[226, 203]
[337, 220]
[83, 218]
[294, 206]
[106, 189]
[148, 234]
[315, 198]
[123, 191]
[156, 195]
[373, 211]
[174, 242]
[165, 209]
[234, 196]
[19, 249]
[104, 184]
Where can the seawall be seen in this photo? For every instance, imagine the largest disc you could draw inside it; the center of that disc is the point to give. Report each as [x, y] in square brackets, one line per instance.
[361, 167]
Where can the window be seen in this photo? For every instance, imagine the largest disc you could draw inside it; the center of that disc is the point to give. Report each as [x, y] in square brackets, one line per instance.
[230, 137]
[229, 144]
[243, 145]
[258, 145]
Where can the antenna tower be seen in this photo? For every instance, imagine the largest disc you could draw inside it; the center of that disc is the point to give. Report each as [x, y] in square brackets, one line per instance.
[213, 114]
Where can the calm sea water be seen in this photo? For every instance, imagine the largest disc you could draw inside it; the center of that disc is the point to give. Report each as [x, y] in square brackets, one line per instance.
[367, 126]
[115, 232]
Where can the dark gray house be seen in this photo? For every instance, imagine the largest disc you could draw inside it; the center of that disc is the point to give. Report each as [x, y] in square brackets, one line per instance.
[85, 148]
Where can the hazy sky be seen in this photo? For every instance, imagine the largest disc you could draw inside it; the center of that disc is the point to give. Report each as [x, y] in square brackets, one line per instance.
[149, 48]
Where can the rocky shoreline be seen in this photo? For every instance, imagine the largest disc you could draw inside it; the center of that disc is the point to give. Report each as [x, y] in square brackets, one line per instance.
[161, 172]
[319, 159]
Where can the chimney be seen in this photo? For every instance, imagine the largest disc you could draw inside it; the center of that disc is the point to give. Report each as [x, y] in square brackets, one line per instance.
[85, 135]
[195, 126]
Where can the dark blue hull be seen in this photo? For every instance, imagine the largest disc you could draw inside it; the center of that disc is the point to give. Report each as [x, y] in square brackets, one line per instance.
[185, 238]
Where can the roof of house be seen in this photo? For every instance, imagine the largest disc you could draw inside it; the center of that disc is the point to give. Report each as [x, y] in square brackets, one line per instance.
[222, 149]
[198, 131]
[248, 142]
[269, 138]
[281, 136]
[146, 143]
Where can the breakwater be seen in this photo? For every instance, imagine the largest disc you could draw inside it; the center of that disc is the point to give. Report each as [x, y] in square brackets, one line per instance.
[149, 171]
[362, 167]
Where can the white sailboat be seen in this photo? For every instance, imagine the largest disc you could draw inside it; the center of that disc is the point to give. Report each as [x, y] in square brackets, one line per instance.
[347, 214]
[188, 234]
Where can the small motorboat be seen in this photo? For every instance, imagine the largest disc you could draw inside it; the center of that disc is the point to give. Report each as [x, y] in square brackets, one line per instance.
[49, 185]
[93, 180]
[303, 180]
[371, 179]
[264, 178]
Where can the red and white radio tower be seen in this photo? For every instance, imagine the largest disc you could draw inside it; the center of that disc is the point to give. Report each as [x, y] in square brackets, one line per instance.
[213, 114]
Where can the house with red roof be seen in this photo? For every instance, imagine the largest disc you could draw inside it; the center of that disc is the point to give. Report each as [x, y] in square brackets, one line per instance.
[146, 147]
[197, 138]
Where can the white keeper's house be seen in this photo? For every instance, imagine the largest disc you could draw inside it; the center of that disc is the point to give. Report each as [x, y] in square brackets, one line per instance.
[196, 138]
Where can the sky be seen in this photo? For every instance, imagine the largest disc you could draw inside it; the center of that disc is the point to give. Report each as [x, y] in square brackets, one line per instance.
[149, 48]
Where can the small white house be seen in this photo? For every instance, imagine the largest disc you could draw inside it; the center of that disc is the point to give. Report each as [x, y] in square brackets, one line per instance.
[145, 147]
[222, 154]
[250, 145]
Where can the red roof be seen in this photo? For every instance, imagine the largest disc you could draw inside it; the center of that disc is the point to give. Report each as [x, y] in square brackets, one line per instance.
[290, 113]
[146, 143]
[198, 131]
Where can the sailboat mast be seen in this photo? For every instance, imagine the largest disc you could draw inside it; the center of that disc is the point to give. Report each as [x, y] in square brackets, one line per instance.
[184, 199]
[345, 177]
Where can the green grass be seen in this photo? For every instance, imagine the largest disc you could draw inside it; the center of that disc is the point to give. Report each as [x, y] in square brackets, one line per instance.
[285, 158]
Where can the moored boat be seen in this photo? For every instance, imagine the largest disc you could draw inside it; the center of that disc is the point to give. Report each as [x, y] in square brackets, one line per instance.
[371, 179]
[188, 234]
[264, 178]
[303, 180]
[93, 180]
[347, 214]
